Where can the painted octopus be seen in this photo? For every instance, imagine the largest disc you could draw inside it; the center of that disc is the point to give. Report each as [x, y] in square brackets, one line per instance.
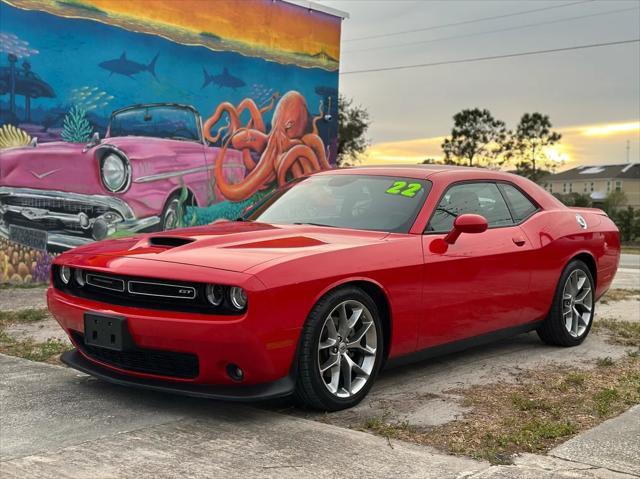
[286, 152]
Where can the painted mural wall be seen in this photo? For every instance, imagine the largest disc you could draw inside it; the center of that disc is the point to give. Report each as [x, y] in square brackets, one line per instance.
[124, 117]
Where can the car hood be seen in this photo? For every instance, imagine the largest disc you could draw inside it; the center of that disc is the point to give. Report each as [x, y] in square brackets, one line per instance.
[49, 166]
[137, 147]
[232, 246]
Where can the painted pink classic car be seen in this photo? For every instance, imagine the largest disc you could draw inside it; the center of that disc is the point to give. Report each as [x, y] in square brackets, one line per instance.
[60, 195]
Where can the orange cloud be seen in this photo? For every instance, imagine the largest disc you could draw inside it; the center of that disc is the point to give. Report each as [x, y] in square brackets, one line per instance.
[407, 151]
[580, 144]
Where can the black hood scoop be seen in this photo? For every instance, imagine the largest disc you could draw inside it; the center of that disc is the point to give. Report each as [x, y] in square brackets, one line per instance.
[169, 241]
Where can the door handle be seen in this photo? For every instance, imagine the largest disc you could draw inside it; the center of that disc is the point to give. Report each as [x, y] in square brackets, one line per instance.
[518, 240]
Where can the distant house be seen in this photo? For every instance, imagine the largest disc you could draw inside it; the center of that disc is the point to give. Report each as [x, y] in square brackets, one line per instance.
[598, 181]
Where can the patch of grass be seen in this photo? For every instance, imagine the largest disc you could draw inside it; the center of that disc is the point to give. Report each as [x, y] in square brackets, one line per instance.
[530, 404]
[631, 249]
[29, 349]
[23, 315]
[622, 332]
[533, 414]
[381, 426]
[535, 433]
[605, 400]
[575, 379]
[619, 295]
[605, 362]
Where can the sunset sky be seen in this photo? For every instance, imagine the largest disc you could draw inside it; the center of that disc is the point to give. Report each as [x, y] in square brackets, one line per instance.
[592, 95]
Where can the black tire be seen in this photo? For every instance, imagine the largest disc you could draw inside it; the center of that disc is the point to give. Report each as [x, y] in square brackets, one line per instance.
[311, 389]
[553, 330]
[169, 220]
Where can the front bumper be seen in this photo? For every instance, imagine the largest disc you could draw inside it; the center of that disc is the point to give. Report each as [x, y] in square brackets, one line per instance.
[261, 348]
[69, 219]
[280, 388]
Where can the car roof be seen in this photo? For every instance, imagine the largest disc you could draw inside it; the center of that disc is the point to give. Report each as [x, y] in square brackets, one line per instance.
[420, 171]
[446, 174]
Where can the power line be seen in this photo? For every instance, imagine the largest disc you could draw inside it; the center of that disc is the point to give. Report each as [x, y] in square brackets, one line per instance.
[465, 22]
[494, 57]
[486, 32]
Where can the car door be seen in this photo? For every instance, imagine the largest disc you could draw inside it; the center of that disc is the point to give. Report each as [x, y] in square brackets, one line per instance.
[480, 283]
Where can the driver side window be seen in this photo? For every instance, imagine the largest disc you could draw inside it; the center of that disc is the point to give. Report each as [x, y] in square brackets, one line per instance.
[477, 198]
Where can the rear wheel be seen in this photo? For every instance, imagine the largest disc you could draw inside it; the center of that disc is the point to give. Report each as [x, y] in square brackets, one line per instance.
[571, 315]
[340, 351]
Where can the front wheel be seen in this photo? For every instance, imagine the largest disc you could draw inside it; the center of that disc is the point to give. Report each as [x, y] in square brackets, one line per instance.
[172, 212]
[340, 351]
[571, 315]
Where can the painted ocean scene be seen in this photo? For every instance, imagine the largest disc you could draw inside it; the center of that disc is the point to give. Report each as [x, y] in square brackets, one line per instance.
[117, 119]
[57, 63]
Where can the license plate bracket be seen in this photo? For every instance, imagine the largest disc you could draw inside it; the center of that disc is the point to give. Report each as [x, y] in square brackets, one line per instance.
[107, 331]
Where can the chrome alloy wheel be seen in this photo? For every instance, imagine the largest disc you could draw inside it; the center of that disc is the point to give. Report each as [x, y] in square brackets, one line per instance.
[347, 348]
[577, 303]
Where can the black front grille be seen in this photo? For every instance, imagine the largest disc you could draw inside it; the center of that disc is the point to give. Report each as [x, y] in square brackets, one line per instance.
[150, 361]
[58, 205]
[47, 224]
[146, 293]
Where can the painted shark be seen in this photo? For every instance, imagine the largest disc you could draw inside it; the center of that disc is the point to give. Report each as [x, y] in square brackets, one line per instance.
[225, 79]
[128, 68]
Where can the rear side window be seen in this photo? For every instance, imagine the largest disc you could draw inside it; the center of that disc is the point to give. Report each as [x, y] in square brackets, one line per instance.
[521, 206]
[478, 198]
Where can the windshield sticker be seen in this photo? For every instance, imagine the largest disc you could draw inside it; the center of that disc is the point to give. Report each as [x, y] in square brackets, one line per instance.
[403, 188]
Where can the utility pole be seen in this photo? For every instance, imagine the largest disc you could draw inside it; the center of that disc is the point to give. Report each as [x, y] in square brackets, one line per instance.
[628, 150]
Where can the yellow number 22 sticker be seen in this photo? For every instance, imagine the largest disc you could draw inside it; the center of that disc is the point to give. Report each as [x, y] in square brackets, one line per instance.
[405, 189]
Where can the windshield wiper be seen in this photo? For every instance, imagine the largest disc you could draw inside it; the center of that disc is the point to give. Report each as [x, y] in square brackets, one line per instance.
[449, 212]
[315, 224]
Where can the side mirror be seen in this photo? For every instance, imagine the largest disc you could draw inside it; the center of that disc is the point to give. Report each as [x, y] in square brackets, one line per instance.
[467, 223]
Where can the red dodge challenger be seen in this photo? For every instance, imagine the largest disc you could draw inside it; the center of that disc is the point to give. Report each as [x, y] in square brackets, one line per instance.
[329, 279]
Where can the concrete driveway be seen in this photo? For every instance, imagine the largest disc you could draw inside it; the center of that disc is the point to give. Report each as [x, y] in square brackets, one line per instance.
[57, 423]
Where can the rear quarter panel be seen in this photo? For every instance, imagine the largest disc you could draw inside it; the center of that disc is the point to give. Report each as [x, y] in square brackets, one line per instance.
[556, 238]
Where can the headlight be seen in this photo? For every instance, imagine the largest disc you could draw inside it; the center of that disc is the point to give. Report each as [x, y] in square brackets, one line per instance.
[215, 294]
[115, 172]
[238, 297]
[65, 274]
[79, 276]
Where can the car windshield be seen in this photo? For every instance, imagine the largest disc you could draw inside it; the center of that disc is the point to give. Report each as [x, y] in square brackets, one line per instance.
[377, 203]
[156, 121]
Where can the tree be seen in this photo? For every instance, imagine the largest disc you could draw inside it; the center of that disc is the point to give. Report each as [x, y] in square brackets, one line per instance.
[574, 199]
[353, 123]
[628, 221]
[476, 137]
[613, 201]
[529, 145]
[434, 161]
